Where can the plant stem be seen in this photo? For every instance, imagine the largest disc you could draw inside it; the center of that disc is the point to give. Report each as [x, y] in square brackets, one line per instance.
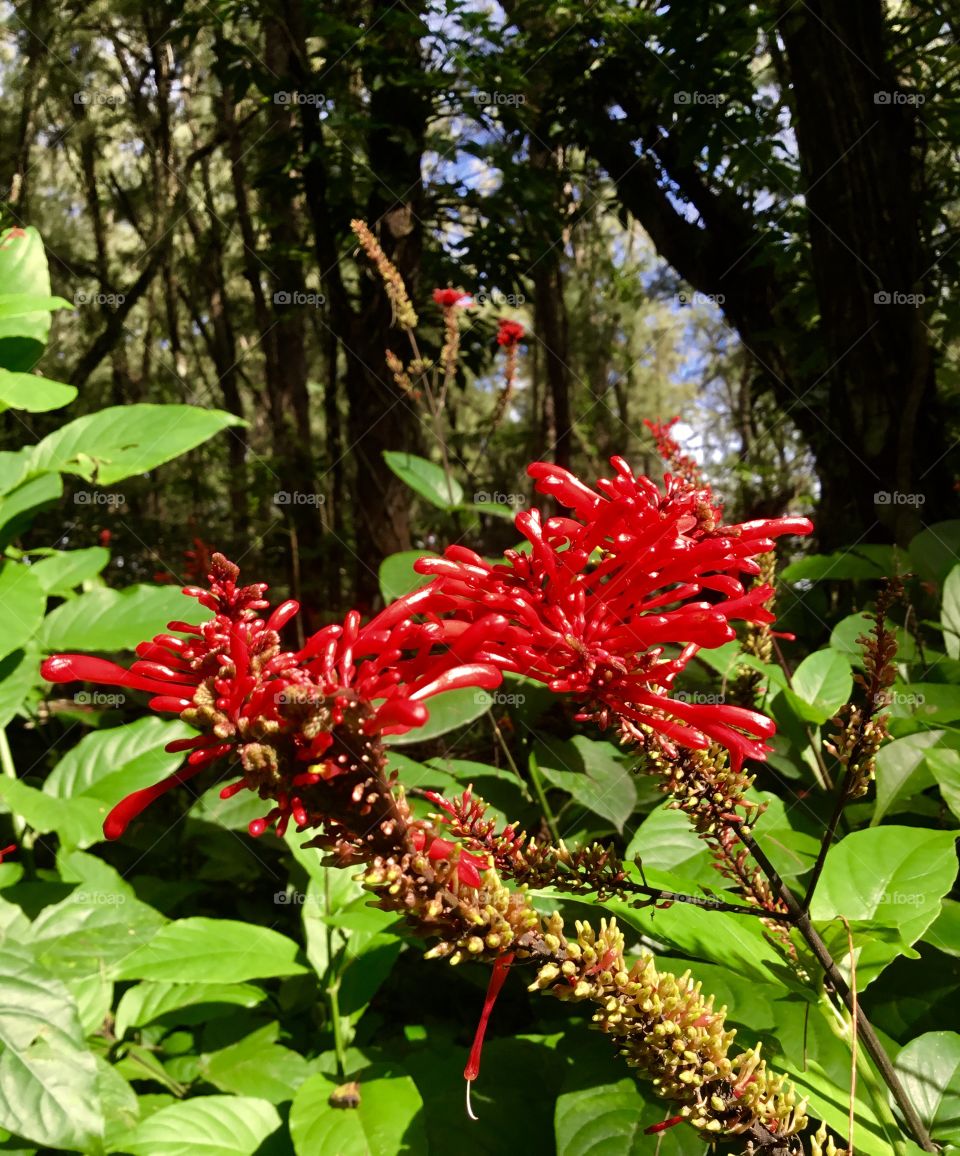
[826, 843]
[871, 1042]
[10, 770]
[536, 778]
[435, 416]
[333, 986]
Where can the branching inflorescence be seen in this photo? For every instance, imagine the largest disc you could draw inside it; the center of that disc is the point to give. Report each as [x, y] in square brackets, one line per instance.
[612, 602]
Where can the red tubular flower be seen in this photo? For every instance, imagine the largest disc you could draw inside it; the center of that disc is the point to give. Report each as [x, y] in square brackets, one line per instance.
[509, 333]
[613, 601]
[296, 721]
[451, 298]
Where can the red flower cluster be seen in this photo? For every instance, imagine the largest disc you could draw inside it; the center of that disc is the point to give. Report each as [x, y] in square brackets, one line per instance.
[613, 601]
[451, 298]
[296, 720]
[509, 333]
[609, 606]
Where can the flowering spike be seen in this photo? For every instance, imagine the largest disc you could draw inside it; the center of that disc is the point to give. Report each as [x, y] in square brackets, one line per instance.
[297, 722]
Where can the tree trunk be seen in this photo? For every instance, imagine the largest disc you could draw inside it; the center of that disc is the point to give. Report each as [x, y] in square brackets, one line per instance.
[883, 431]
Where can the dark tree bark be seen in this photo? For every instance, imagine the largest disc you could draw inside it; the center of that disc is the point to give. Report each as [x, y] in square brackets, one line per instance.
[380, 417]
[550, 317]
[860, 382]
[862, 175]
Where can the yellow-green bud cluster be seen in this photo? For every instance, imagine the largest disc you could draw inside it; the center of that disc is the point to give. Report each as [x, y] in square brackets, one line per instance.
[469, 923]
[403, 311]
[666, 1030]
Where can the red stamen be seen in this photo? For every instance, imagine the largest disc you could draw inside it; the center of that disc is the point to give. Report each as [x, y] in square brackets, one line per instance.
[663, 1125]
[497, 979]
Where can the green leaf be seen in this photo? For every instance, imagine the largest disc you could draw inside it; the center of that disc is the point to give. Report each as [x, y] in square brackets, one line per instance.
[47, 1075]
[64, 570]
[887, 879]
[146, 1002]
[448, 711]
[107, 619]
[929, 702]
[387, 1119]
[844, 635]
[944, 766]
[92, 931]
[821, 685]
[125, 440]
[25, 497]
[109, 764]
[257, 1066]
[23, 271]
[17, 304]
[929, 1068]
[736, 941]
[205, 1126]
[934, 551]
[860, 562]
[950, 613]
[19, 673]
[121, 1107]
[398, 577]
[816, 1058]
[495, 509]
[23, 602]
[944, 932]
[666, 840]
[902, 770]
[426, 479]
[201, 950]
[610, 1120]
[77, 821]
[593, 773]
[33, 394]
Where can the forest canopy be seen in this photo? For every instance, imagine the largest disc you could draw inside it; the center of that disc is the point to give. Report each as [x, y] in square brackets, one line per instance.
[478, 490]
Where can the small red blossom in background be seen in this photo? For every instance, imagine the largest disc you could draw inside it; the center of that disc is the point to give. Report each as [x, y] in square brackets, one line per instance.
[608, 604]
[295, 720]
[680, 464]
[509, 333]
[451, 298]
[104, 537]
